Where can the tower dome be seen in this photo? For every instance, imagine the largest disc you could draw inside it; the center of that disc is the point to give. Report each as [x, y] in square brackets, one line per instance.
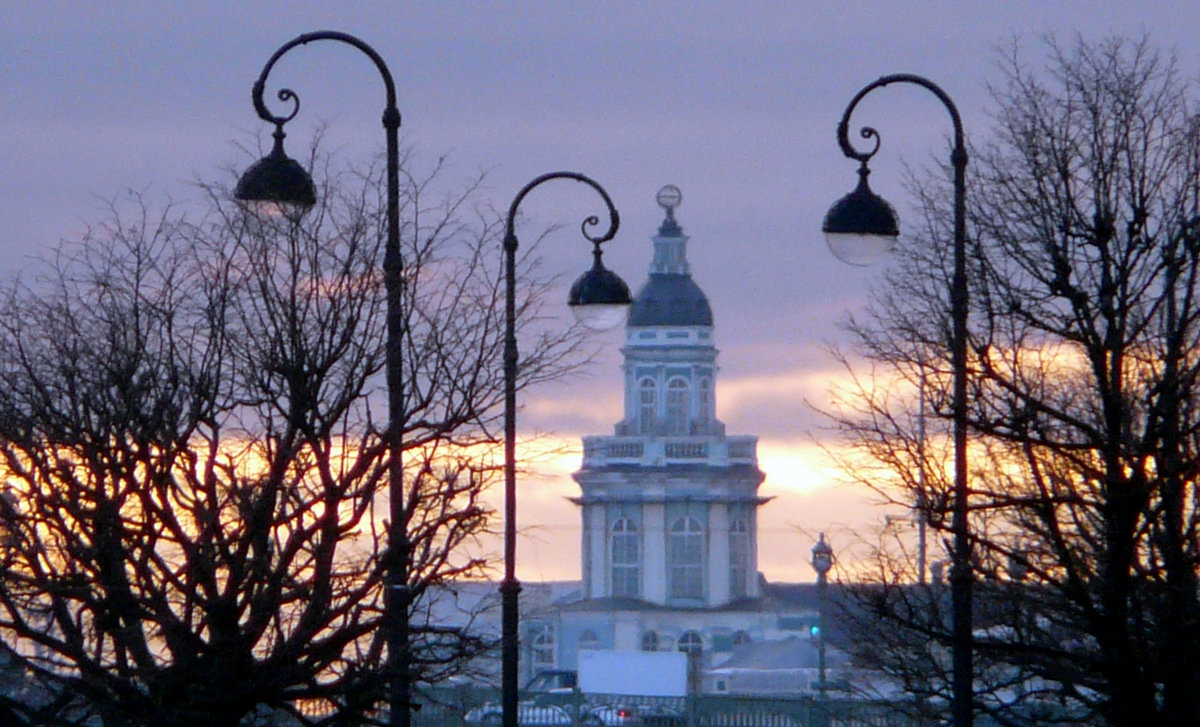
[670, 300]
[670, 297]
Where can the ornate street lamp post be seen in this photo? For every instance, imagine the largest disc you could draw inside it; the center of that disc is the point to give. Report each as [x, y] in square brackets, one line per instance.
[860, 227]
[598, 299]
[822, 561]
[278, 180]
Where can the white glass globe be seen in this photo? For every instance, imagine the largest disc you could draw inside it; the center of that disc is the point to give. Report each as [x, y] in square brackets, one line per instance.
[600, 316]
[858, 248]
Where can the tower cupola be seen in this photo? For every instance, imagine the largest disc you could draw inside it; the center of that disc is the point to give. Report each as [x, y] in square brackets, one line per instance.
[670, 297]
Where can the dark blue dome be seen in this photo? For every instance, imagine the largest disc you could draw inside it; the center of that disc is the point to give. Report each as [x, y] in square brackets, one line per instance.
[670, 300]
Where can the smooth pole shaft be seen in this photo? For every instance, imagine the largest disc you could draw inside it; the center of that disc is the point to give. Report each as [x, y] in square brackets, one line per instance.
[510, 587]
[822, 590]
[961, 578]
[399, 689]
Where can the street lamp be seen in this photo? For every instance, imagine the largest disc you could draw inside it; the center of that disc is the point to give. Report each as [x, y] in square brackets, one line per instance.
[598, 299]
[858, 228]
[822, 561]
[277, 180]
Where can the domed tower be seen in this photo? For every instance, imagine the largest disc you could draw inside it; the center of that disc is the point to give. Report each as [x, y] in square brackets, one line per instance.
[669, 502]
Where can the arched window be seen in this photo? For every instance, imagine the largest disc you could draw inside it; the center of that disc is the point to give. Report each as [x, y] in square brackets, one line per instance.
[677, 406]
[624, 554]
[739, 558]
[588, 640]
[542, 647]
[650, 641]
[704, 402]
[685, 559]
[691, 643]
[647, 406]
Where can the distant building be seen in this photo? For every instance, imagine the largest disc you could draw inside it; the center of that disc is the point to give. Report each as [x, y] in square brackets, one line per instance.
[669, 506]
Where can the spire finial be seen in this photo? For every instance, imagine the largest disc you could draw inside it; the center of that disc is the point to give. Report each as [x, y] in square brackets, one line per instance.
[669, 197]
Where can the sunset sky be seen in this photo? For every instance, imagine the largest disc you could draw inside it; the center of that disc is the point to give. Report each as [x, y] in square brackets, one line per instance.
[735, 103]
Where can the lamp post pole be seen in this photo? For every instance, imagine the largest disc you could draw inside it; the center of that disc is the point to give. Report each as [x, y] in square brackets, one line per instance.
[822, 561]
[278, 179]
[848, 226]
[598, 299]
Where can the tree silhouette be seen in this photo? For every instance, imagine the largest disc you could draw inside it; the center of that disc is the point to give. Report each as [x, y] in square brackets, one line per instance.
[190, 428]
[1084, 256]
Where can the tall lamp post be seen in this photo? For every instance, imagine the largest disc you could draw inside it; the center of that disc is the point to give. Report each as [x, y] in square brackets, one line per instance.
[598, 299]
[860, 227]
[279, 180]
[822, 561]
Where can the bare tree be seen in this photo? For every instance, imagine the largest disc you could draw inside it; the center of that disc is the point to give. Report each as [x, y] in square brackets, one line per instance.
[191, 437]
[1084, 256]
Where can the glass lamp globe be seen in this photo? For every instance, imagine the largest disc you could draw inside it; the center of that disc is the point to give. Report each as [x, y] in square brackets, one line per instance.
[276, 185]
[861, 227]
[599, 298]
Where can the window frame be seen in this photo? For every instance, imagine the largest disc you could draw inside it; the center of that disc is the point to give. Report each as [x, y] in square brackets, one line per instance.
[739, 558]
[685, 559]
[677, 414]
[624, 574]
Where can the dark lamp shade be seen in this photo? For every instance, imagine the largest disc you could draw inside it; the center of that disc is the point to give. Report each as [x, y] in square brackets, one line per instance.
[861, 227]
[277, 185]
[599, 299]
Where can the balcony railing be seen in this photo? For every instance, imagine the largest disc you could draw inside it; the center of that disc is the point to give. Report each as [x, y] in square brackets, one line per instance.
[600, 451]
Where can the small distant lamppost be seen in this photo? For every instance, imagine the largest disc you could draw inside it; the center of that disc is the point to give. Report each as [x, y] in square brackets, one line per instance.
[822, 561]
[598, 299]
[861, 227]
[278, 181]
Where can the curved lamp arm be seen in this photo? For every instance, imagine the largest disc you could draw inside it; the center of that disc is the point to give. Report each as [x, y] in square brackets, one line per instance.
[391, 114]
[510, 238]
[870, 133]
